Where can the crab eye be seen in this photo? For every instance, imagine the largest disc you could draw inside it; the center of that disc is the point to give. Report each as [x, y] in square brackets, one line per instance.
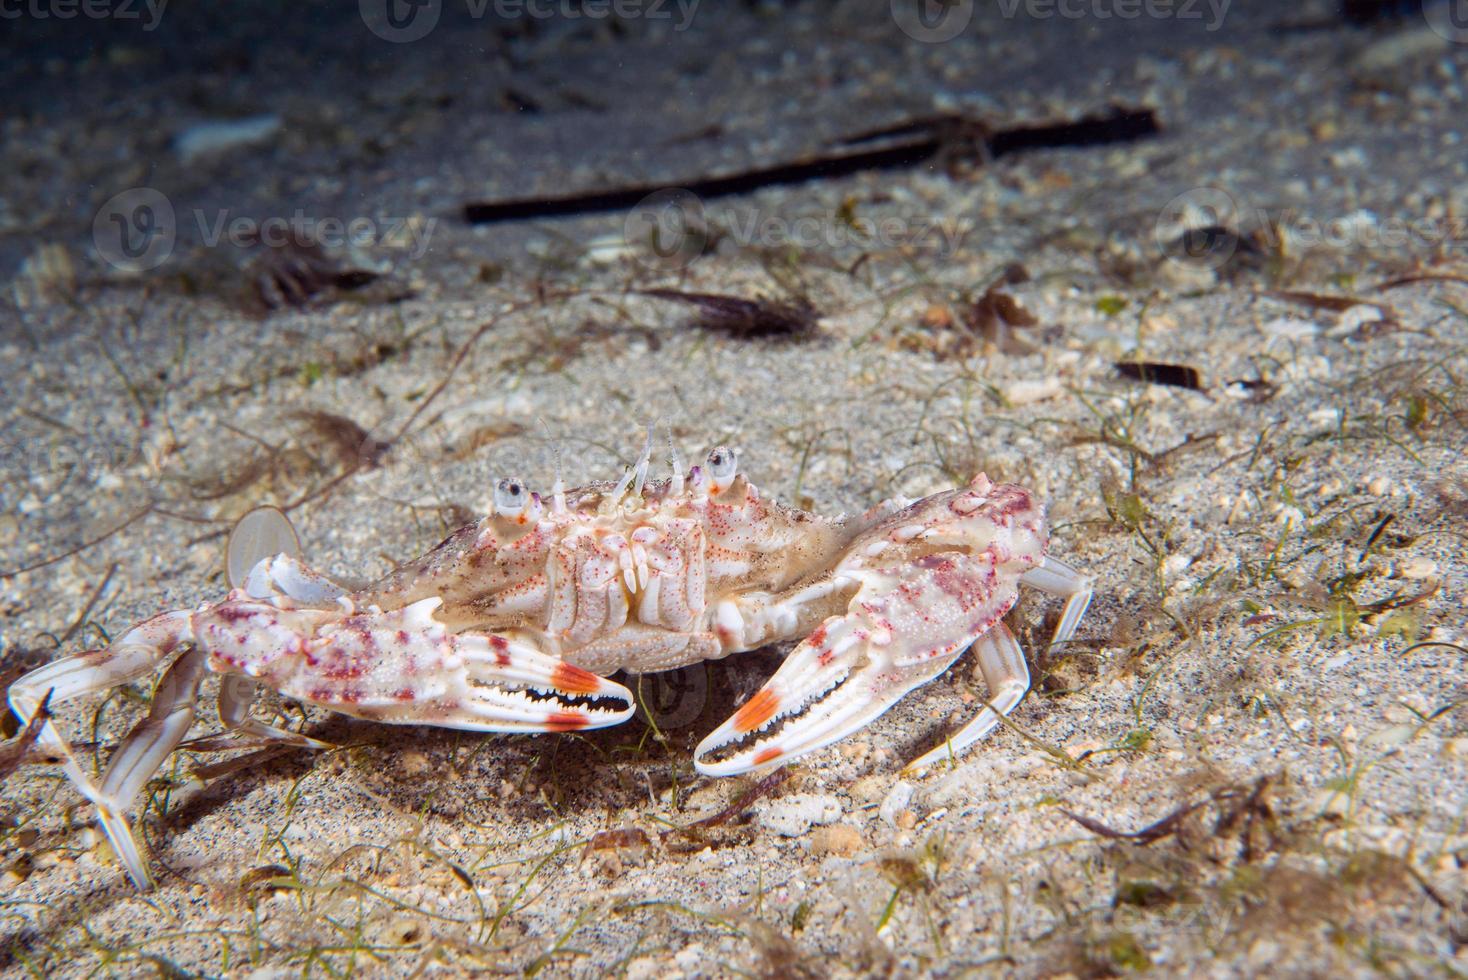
[722, 464]
[510, 498]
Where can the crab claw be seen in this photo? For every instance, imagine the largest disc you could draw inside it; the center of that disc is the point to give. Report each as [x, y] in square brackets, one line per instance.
[904, 626]
[404, 667]
[515, 688]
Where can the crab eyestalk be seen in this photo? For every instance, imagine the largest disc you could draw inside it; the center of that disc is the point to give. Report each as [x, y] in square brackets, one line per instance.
[515, 504]
[723, 463]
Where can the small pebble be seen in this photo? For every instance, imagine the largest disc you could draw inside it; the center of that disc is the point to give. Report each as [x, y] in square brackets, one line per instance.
[219, 136]
[896, 802]
[1291, 328]
[1353, 319]
[1417, 568]
[400, 930]
[840, 839]
[868, 789]
[1029, 392]
[793, 815]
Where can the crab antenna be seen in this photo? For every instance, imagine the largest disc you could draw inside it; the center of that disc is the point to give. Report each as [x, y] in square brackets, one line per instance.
[643, 461]
[558, 489]
[675, 458]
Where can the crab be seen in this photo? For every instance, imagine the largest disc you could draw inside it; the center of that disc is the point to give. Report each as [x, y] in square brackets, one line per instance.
[516, 622]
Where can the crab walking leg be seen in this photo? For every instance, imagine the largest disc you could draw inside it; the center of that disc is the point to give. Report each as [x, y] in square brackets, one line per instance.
[1057, 578]
[1002, 663]
[906, 626]
[136, 653]
[141, 755]
[237, 696]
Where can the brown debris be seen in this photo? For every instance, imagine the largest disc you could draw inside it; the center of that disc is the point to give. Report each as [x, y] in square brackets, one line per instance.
[300, 271]
[994, 319]
[745, 319]
[354, 447]
[11, 756]
[1158, 373]
[996, 315]
[1250, 811]
[698, 835]
[956, 142]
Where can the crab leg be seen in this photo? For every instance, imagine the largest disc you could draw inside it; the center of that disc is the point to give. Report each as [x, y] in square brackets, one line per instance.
[236, 697]
[141, 755]
[1002, 662]
[136, 653]
[1057, 578]
[905, 626]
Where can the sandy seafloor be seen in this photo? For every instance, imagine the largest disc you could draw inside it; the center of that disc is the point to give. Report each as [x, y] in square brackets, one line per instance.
[1278, 631]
